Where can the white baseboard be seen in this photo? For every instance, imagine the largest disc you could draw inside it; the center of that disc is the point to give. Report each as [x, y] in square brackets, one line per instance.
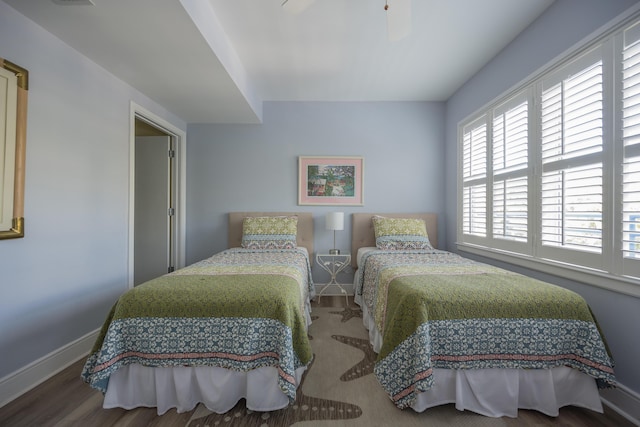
[624, 401]
[16, 384]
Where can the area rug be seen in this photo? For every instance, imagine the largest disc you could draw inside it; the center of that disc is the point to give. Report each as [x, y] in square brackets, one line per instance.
[339, 388]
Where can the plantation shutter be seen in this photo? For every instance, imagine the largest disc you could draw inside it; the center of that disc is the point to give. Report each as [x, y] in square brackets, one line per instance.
[510, 145]
[631, 149]
[572, 160]
[549, 175]
[474, 178]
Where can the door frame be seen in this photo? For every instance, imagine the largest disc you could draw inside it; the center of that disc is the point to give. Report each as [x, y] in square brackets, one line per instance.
[179, 138]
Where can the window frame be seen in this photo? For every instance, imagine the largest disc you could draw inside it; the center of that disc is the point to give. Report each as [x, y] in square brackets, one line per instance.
[471, 182]
[627, 266]
[600, 261]
[608, 269]
[521, 96]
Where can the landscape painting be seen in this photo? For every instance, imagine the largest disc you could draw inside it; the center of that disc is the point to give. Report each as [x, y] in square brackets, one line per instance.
[336, 181]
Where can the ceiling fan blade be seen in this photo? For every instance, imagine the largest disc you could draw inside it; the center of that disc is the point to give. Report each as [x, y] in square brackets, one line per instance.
[398, 19]
[296, 6]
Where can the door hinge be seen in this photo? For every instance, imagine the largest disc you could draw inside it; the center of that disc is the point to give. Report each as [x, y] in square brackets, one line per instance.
[171, 269]
[171, 211]
[172, 154]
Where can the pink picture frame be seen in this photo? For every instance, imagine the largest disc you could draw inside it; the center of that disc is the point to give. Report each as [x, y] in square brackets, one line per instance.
[331, 180]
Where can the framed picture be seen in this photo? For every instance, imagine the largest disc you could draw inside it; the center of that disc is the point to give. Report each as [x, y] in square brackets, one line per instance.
[14, 86]
[336, 181]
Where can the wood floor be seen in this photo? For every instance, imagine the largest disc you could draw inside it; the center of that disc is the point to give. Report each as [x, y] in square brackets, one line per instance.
[66, 401]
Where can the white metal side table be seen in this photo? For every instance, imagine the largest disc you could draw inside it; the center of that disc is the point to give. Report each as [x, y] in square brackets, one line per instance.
[333, 264]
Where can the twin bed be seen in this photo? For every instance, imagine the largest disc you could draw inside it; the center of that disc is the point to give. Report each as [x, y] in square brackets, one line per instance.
[228, 327]
[451, 330]
[447, 329]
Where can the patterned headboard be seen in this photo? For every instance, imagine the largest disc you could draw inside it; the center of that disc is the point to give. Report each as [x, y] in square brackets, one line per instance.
[305, 227]
[362, 233]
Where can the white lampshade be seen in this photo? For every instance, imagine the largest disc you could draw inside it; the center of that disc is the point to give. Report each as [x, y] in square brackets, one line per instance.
[335, 221]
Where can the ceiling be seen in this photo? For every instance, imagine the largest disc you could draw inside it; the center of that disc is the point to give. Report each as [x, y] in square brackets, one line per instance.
[216, 61]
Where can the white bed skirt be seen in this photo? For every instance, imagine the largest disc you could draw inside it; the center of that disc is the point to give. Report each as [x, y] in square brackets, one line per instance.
[184, 387]
[501, 392]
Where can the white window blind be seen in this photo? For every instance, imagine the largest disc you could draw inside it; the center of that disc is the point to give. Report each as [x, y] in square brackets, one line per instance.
[475, 210]
[510, 145]
[475, 153]
[572, 208]
[549, 175]
[474, 176]
[571, 146]
[631, 145]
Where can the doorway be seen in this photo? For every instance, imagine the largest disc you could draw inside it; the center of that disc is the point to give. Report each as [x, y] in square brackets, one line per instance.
[156, 239]
[154, 212]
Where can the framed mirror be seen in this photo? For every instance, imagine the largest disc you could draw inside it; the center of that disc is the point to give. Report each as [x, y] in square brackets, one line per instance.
[14, 87]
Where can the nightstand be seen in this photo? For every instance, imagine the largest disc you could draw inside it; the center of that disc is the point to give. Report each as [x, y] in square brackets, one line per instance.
[333, 264]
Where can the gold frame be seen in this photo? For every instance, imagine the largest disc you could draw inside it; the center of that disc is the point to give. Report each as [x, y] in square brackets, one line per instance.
[17, 226]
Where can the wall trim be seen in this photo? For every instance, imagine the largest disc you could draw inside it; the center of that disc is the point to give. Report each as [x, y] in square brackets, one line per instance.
[21, 381]
[620, 284]
[624, 401]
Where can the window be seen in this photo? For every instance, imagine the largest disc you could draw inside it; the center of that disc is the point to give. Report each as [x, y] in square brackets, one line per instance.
[551, 175]
[631, 150]
[474, 175]
[572, 157]
[510, 183]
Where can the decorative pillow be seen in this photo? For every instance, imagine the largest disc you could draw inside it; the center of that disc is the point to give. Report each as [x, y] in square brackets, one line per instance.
[269, 232]
[400, 233]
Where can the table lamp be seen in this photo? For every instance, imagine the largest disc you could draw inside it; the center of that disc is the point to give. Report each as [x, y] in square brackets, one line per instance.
[334, 221]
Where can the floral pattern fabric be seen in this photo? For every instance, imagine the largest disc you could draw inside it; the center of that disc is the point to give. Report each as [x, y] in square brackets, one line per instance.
[269, 232]
[400, 233]
[436, 309]
[240, 309]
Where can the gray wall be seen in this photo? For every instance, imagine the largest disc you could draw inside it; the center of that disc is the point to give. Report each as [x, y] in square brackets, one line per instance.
[562, 26]
[60, 280]
[255, 167]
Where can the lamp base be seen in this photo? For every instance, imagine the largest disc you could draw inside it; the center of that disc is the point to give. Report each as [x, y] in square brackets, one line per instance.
[334, 251]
